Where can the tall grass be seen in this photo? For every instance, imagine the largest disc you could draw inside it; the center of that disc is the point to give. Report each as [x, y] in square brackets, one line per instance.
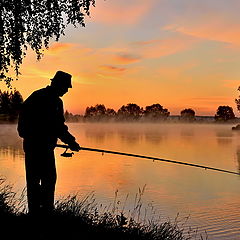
[10, 204]
[75, 218]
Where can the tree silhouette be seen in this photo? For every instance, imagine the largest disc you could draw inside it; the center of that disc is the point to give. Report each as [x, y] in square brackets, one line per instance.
[129, 112]
[100, 110]
[237, 101]
[90, 112]
[16, 101]
[96, 113]
[69, 117]
[10, 104]
[224, 113]
[188, 114]
[33, 24]
[111, 113]
[156, 112]
[5, 102]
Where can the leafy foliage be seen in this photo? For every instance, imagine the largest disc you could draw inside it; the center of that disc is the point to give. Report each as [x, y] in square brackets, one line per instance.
[110, 112]
[237, 101]
[188, 114]
[156, 112]
[10, 104]
[224, 113]
[69, 117]
[130, 112]
[31, 23]
[99, 112]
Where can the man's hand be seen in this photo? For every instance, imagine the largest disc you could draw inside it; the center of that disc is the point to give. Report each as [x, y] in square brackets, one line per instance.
[74, 146]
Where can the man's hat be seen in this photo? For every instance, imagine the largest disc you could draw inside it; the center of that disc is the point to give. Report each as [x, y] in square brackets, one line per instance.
[62, 78]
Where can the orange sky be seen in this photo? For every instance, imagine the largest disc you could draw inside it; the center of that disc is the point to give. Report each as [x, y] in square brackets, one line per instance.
[181, 55]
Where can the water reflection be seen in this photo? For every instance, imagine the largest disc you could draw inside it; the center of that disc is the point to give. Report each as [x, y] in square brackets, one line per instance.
[132, 138]
[224, 133]
[97, 136]
[224, 136]
[238, 158]
[154, 138]
[203, 194]
[128, 133]
[98, 133]
[187, 133]
[10, 143]
[224, 141]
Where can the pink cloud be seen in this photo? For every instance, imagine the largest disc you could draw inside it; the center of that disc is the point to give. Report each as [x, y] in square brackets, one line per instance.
[215, 27]
[162, 47]
[112, 68]
[126, 58]
[58, 47]
[177, 72]
[122, 12]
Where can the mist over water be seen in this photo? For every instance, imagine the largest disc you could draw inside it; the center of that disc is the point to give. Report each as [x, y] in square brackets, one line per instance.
[210, 198]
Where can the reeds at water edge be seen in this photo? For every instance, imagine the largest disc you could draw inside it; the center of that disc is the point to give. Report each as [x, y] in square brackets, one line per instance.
[75, 218]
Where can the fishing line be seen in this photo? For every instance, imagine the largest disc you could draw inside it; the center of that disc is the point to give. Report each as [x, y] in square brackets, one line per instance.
[145, 157]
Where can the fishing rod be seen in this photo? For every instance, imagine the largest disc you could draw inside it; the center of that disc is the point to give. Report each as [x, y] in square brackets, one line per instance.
[65, 154]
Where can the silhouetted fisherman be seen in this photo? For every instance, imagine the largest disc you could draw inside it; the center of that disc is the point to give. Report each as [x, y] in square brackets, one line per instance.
[41, 123]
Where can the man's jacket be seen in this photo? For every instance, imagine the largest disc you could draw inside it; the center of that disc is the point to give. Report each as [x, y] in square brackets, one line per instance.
[42, 118]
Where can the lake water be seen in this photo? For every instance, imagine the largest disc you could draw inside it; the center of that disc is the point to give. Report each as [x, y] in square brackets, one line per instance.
[211, 199]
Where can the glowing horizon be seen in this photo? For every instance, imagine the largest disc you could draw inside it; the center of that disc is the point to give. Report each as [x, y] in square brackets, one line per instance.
[146, 51]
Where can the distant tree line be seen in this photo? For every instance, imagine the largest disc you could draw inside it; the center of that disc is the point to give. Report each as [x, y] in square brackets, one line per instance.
[154, 113]
[10, 103]
[69, 117]
[129, 112]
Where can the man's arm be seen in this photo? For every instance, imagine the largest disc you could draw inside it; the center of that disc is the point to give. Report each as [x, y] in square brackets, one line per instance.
[63, 134]
[69, 139]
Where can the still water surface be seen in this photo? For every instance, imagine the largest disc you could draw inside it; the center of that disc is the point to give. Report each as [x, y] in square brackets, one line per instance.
[211, 199]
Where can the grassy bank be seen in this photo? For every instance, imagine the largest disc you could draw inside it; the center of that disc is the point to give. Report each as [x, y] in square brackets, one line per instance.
[81, 219]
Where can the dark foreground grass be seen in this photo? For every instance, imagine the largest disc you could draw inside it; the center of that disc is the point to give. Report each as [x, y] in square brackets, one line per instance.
[82, 219]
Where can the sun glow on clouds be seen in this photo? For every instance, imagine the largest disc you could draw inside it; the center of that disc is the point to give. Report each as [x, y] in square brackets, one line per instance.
[112, 68]
[58, 47]
[215, 31]
[209, 20]
[125, 58]
[169, 52]
[122, 12]
[163, 47]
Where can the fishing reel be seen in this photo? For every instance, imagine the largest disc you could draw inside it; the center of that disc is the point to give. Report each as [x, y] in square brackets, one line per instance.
[67, 154]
